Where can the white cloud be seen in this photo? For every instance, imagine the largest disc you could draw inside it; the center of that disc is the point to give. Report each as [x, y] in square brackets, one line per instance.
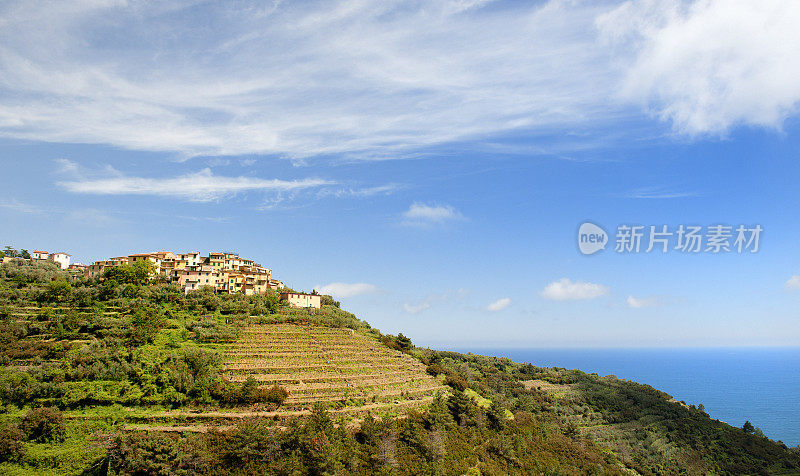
[651, 301]
[345, 290]
[66, 166]
[793, 284]
[709, 65]
[203, 185]
[564, 289]
[499, 305]
[423, 214]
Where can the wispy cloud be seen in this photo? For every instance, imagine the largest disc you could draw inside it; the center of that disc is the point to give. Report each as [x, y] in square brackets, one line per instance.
[217, 79]
[386, 189]
[650, 301]
[90, 217]
[416, 307]
[657, 193]
[499, 305]
[566, 290]
[345, 290]
[20, 207]
[793, 284]
[199, 186]
[421, 214]
[66, 166]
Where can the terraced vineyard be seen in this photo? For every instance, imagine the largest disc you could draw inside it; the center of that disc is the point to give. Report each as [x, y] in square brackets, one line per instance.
[350, 369]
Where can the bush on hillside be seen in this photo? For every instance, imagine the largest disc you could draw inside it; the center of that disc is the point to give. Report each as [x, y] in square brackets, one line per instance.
[399, 342]
[12, 446]
[43, 425]
[250, 392]
[326, 300]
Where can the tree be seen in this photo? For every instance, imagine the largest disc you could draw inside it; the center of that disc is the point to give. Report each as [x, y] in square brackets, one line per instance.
[143, 271]
[140, 273]
[25, 254]
[143, 453]
[58, 290]
[145, 324]
[327, 300]
[403, 342]
[748, 427]
[496, 415]
[461, 407]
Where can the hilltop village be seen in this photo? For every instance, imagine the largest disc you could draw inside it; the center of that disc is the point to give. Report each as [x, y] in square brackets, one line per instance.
[225, 272]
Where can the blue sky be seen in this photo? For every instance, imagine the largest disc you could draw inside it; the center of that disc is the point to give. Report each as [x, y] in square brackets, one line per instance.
[428, 163]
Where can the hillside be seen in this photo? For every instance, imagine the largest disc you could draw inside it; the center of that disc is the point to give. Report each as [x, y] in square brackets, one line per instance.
[323, 364]
[125, 376]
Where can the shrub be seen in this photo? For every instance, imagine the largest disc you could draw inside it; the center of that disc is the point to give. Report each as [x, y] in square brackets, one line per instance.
[456, 381]
[57, 291]
[435, 369]
[399, 342]
[11, 443]
[43, 425]
[145, 323]
[143, 453]
[250, 393]
[276, 394]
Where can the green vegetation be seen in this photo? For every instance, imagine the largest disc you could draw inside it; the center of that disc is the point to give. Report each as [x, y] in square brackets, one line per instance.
[644, 429]
[128, 375]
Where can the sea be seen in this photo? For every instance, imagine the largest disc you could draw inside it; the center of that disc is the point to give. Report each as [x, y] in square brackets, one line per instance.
[761, 385]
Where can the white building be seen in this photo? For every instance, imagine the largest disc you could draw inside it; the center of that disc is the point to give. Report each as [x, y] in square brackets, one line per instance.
[40, 254]
[61, 258]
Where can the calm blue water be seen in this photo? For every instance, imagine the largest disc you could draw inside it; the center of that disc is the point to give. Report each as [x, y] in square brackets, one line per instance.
[756, 384]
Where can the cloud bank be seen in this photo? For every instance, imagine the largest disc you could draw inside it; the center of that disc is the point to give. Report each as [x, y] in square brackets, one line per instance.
[708, 65]
[374, 80]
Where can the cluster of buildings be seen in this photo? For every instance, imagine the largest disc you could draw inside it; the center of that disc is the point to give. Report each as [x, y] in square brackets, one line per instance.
[60, 258]
[225, 272]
